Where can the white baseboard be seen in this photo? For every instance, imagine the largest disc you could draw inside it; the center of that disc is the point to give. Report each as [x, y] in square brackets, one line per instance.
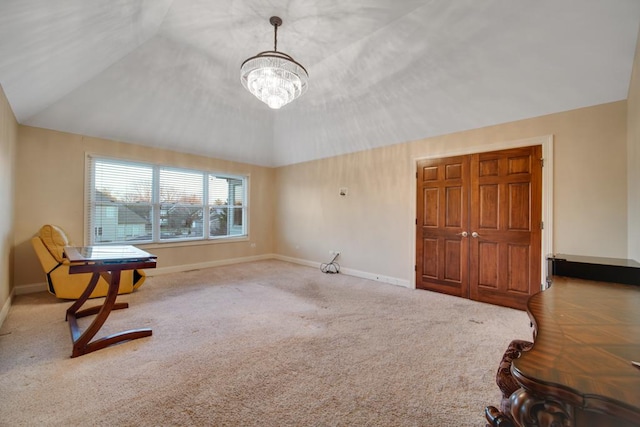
[297, 261]
[350, 272]
[377, 277]
[197, 266]
[5, 308]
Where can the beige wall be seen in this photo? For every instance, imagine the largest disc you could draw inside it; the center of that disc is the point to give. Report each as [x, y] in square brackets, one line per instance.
[8, 144]
[633, 147]
[373, 226]
[50, 189]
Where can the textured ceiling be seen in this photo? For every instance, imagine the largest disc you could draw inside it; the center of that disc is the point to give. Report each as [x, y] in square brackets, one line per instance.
[165, 73]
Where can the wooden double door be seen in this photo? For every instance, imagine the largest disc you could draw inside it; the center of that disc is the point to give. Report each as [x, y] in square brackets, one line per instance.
[479, 225]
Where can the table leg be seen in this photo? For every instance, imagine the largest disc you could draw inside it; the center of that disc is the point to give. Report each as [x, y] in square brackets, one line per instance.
[82, 343]
[84, 297]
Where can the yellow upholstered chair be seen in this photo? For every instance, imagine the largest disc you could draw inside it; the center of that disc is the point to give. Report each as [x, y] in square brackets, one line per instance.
[49, 245]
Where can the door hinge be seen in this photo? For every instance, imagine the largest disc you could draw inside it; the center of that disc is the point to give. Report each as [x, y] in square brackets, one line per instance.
[416, 221]
[542, 162]
[541, 225]
[415, 267]
[416, 175]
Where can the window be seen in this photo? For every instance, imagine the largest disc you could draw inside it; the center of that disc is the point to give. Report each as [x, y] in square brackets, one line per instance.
[181, 204]
[130, 202]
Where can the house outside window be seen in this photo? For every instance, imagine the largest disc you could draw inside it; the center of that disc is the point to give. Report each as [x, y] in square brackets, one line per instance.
[133, 202]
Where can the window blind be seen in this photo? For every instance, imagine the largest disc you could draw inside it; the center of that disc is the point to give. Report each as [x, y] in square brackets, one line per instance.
[133, 202]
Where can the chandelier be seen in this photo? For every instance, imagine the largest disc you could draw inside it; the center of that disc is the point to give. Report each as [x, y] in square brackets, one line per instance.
[275, 78]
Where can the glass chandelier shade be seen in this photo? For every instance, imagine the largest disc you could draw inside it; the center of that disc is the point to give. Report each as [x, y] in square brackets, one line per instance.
[273, 77]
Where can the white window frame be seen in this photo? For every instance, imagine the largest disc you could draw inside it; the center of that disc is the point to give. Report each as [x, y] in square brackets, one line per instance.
[240, 231]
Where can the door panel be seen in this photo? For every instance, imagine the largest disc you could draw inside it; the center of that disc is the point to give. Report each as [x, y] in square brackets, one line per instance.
[505, 255]
[442, 252]
[431, 204]
[519, 206]
[430, 259]
[496, 196]
[488, 207]
[453, 207]
[453, 261]
[519, 268]
[488, 271]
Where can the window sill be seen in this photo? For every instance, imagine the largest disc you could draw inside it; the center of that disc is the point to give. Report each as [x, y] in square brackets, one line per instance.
[183, 243]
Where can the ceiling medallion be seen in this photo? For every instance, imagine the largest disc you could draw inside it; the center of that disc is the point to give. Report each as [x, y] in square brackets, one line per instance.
[275, 78]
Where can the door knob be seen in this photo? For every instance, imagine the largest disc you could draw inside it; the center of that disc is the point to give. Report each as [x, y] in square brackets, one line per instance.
[463, 234]
[474, 235]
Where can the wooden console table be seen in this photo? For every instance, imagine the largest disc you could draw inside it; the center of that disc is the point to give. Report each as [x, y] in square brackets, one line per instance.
[108, 262]
[579, 371]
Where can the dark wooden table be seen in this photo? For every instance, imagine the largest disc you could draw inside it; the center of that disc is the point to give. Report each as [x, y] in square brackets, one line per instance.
[579, 371]
[108, 262]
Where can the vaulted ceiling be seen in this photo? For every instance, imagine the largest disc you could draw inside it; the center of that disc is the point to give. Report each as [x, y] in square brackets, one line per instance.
[165, 73]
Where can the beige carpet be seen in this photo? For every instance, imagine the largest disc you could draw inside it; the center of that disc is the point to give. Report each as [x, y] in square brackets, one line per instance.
[260, 344]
